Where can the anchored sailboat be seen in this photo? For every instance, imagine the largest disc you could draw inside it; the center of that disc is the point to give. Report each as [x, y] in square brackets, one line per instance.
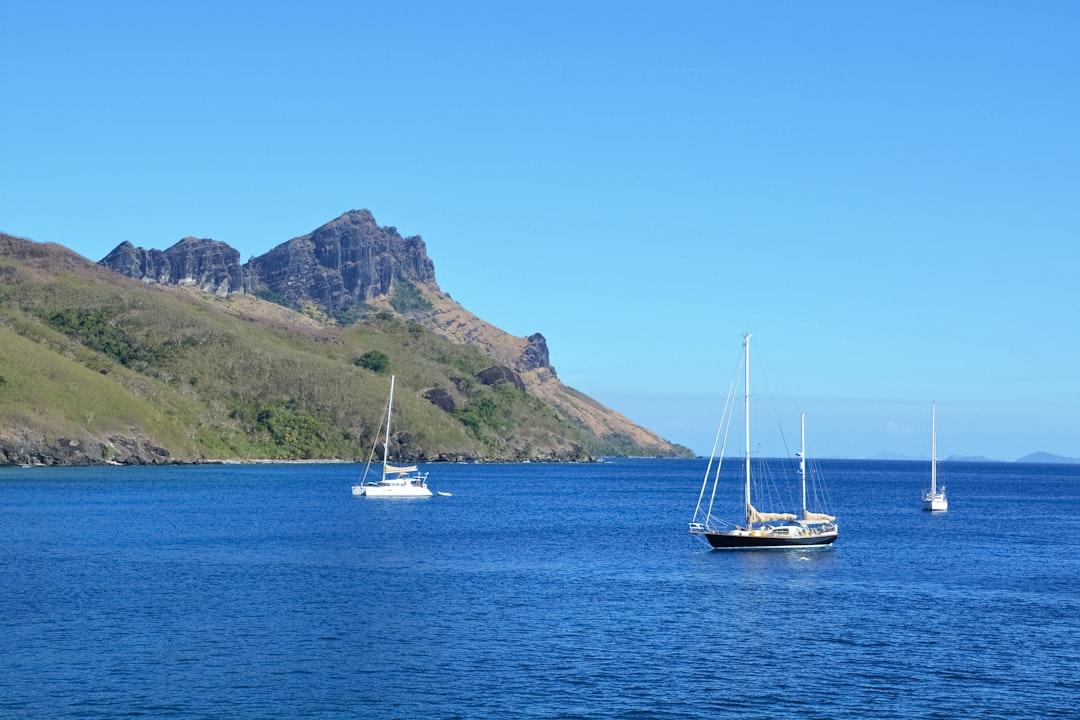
[405, 481]
[764, 530]
[934, 499]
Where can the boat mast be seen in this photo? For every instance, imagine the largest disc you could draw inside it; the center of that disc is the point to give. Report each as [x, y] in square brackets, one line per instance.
[802, 462]
[746, 387]
[933, 453]
[386, 443]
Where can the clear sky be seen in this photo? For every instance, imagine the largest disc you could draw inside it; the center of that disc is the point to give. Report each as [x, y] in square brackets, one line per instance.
[887, 194]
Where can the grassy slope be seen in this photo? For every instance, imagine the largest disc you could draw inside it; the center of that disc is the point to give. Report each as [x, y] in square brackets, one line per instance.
[50, 395]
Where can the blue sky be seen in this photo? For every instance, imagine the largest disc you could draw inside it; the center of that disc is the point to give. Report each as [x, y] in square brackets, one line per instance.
[885, 194]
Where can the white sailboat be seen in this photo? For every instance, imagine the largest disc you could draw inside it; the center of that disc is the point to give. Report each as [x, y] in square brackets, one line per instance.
[759, 530]
[934, 499]
[396, 482]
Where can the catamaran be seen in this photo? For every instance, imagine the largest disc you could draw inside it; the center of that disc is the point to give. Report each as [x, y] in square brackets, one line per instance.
[397, 482]
[759, 530]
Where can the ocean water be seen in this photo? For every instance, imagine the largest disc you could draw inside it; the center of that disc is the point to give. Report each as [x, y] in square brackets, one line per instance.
[536, 591]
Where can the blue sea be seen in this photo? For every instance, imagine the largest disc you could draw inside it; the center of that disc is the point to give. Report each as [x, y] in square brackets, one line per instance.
[535, 591]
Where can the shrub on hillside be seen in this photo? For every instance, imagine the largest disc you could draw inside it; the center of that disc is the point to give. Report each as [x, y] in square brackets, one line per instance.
[373, 360]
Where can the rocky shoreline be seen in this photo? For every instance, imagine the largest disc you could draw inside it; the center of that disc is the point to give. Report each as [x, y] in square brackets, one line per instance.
[116, 450]
[121, 450]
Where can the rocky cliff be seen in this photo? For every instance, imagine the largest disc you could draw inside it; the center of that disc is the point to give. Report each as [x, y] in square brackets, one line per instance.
[209, 265]
[27, 449]
[348, 261]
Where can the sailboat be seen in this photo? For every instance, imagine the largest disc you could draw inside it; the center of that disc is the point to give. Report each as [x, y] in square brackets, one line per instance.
[406, 481]
[759, 530]
[934, 499]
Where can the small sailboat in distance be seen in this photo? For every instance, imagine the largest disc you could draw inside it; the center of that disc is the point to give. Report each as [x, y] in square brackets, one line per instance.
[759, 530]
[934, 499]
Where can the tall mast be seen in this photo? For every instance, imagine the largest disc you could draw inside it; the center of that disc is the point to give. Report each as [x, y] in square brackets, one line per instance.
[746, 386]
[802, 463]
[389, 412]
[933, 453]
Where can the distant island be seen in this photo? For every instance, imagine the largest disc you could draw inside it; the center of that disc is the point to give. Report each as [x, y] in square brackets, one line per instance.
[1037, 457]
[1045, 457]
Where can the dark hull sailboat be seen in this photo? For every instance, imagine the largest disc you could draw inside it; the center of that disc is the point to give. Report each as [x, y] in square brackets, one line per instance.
[749, 540]
[762, 530]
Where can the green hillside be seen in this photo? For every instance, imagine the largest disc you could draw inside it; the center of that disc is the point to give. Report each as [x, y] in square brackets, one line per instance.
[95, 367]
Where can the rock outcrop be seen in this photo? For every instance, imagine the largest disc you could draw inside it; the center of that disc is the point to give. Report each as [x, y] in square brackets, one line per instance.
[441, 398]
[499, 375]
[210, 265]
[347, 261]
[534, 356]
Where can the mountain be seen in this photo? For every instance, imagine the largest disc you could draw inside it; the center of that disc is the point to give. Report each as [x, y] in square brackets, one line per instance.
[184, 355]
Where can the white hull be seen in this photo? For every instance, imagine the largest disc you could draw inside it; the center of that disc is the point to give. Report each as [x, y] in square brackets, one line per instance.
[392, 490]
[936, 502]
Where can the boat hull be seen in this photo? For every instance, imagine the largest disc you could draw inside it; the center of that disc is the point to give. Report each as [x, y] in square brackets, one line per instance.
[761, 541]
[391, 491]
[935, 503]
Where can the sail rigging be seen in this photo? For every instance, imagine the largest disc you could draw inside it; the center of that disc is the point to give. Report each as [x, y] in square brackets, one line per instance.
[760, 528]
